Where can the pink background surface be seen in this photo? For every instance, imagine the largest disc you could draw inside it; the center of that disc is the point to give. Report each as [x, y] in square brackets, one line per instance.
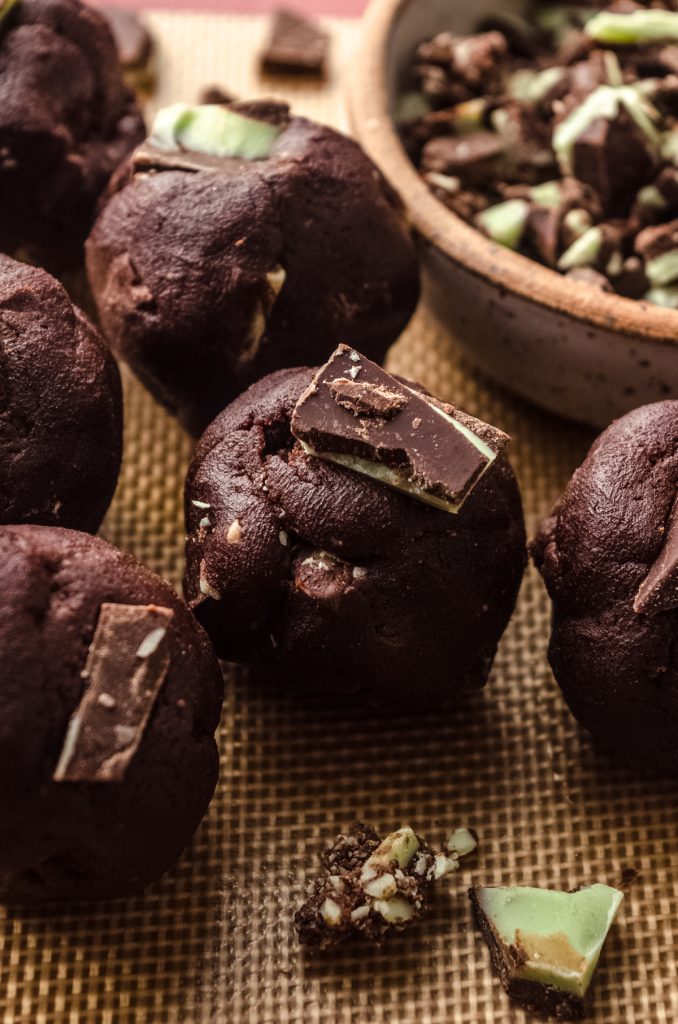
[341, 8]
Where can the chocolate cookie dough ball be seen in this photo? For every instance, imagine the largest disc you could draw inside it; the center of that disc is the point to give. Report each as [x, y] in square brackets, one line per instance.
[609, 558]
[60, 406]
[241, 240]
[334, 583]
[110, 696]
[66, 121]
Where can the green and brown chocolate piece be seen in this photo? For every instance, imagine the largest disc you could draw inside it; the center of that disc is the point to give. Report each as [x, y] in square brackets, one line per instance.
[545, 944]
[358, 415]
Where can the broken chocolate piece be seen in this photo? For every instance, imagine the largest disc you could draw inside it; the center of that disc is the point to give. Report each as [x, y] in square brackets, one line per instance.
[658, 247]
[545, 944]
[390, 432]
[462, 841]
[297, 46]
[659, 590]
[372, 886]
[126, 666]
[475, 156]
[215, 94]
[363, 399]
[455, 68]
[613, 157]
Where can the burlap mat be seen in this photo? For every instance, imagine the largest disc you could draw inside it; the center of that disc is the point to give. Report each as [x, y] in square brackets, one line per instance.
[212, 942]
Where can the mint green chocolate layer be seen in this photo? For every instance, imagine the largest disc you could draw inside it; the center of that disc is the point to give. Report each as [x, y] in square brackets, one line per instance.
[545, 944]
[217, 130]
[359, 415]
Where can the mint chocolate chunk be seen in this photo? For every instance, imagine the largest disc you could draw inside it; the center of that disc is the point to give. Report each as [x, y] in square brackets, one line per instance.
[659, 590]
[545, 944]
[358, 415]
[214, 129]
[633, 28]
[126, 666]
[297, 46]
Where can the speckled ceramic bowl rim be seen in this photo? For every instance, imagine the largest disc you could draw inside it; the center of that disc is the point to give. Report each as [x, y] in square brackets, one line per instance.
[367, 94]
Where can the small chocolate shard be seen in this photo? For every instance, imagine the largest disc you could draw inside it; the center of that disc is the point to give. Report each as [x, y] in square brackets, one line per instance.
[475, 156]
[659, 590]
[363, 399]
[215, 94]
[393, 433]
[613, 157]
[297, 46]
[126, 666]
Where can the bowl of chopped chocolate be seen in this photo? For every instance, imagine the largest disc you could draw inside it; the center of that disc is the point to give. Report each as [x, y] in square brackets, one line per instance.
[535, 145]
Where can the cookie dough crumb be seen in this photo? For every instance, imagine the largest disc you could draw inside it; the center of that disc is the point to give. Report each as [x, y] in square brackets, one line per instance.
[370, 887]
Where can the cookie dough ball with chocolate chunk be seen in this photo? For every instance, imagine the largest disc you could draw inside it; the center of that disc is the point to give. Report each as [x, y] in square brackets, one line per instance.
[60, 406]
[609, 558]
[331, 581]
[67, 120]
[241, 240]
[110, 696]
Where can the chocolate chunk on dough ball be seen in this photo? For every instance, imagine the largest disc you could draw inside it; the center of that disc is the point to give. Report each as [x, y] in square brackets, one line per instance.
[240, 240]
[333, 582]
[67, 120]
[60, 406]
[110, 696]
[609, 558]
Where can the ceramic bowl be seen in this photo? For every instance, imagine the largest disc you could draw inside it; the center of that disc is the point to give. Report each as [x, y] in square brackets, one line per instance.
[579, 352]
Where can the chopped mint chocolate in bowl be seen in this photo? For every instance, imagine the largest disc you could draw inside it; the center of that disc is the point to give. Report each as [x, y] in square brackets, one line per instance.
[588, 100]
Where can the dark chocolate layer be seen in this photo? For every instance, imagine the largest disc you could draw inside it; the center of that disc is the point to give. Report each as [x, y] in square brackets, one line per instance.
[296, 46]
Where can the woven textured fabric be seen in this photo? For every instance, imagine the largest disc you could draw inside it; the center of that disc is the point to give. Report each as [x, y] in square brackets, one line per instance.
[213, 941]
